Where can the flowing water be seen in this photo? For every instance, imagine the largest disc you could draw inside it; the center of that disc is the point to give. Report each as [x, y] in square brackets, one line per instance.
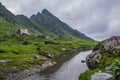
[69, 67]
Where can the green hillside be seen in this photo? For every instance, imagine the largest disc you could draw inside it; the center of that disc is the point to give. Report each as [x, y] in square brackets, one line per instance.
[6, 28]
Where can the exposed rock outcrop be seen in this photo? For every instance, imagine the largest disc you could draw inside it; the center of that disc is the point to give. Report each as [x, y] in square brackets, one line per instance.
[4, 61]
[102, 76]
[109, 47]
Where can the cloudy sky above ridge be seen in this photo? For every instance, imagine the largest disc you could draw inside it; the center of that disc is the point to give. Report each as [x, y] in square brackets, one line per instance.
[98, 19]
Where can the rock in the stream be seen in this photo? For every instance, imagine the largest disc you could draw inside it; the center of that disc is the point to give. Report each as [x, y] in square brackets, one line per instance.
[102, 76]
[83, 61]
[93, 59]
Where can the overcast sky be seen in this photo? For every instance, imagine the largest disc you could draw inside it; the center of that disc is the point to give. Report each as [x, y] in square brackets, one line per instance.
[98, 19]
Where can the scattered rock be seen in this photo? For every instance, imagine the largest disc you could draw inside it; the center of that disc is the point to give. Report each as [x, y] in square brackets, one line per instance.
[15, 52]
[102, 76]
[2, 51]
[108, 68]
[63, 49]
[51, 42]
[47, 63]
[4, 61]
[50, 55]
[36, 56]
[83, 61]
[47, 37]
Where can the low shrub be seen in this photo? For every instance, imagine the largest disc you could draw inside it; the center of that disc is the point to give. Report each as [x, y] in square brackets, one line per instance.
[116, 69]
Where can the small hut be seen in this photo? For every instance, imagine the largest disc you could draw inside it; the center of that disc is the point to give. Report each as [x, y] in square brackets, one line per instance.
[23, 31]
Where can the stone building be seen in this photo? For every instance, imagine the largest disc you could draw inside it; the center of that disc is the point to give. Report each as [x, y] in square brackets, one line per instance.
[23, 31]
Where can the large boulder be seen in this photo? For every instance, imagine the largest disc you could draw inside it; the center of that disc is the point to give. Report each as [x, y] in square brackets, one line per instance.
[108, 47]
[102, 76]
[93, 59]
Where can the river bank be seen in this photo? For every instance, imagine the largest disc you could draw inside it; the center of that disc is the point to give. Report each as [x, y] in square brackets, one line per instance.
[25, 73]
[45, 64]
[68, 68]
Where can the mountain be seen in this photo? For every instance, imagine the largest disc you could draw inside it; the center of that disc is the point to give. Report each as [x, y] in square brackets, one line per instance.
[53, 24]
[10, 17]
[41, 23]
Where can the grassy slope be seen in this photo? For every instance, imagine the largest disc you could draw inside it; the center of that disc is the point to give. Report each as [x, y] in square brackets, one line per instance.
[6, 28]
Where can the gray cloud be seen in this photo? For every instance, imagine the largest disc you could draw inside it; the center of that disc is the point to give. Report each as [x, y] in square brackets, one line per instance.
[98, 19]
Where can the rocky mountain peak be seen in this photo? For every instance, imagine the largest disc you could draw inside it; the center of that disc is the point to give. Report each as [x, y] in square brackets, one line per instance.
[45, 11]
[33, 16]
[22, 17]
[38, 13]
[1, 4]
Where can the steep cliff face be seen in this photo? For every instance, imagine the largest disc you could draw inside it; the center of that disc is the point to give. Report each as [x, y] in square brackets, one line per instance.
[107, 48]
